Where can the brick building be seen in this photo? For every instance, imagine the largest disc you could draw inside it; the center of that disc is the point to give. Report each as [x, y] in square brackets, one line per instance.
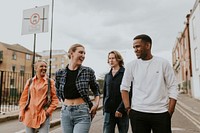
[181, 59]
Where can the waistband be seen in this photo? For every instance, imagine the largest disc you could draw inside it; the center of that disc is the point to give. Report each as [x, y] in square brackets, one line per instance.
[75, 106]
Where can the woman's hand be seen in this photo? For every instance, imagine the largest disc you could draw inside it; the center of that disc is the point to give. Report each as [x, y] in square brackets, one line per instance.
[20, 118]
[93, 111]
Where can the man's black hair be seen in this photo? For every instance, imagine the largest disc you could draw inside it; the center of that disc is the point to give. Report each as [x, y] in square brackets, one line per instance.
[144, 38]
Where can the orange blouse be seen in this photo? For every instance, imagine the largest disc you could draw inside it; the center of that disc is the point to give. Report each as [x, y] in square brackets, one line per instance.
[35, 114]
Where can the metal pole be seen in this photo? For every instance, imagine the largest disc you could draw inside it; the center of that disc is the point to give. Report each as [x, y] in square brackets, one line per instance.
[33, 55]
[50, 56]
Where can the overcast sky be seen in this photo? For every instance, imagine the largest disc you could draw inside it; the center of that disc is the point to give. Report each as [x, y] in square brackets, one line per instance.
[101, 25]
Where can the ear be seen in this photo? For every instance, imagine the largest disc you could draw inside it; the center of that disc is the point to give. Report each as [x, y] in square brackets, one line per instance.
[148, 45]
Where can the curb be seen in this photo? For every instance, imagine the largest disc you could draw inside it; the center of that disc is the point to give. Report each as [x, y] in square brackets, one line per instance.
[14, 116]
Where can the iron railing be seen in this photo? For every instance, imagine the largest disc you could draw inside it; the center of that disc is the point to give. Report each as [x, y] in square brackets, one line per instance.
[11, 87]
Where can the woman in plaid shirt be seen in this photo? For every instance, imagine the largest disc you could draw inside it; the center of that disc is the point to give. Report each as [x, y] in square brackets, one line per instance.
[72, 88]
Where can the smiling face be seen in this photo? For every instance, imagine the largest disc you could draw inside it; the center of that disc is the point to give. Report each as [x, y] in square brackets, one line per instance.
[78, 56]
[141, 49]
[40, 68]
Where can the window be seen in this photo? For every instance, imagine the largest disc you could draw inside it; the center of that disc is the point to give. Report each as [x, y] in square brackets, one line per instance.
[13, 68]
[194, 28]
[14, 56]
[1, 55]
[62, 60]
[22, 69]
[53, 59]
[28, 56]
[196, 59]
[185, 42]
[12, 81]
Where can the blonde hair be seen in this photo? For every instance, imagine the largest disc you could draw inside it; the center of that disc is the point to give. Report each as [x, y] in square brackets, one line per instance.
[39, 60]
[73, 49]
[117, 56]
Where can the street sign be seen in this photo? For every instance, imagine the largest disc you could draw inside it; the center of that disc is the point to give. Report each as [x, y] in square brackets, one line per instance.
[35, 20]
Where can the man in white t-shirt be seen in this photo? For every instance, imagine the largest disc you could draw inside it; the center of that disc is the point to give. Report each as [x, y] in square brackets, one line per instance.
[154, 89]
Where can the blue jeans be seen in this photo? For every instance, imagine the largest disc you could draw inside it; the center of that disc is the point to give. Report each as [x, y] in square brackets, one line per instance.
[44, 128]
[75, 119]
[110, 121]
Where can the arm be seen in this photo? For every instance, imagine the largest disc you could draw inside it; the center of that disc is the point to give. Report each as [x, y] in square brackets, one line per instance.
[104, 91]
[57, 84]
[172, 88]
[23, 100]
[95, 89]
[172, 104]
[125, 98]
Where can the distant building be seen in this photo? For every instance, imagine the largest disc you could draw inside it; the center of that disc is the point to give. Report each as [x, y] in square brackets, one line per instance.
[181, 59]
[59, 60]
[16, 58]
[15, 69]
[195, 48]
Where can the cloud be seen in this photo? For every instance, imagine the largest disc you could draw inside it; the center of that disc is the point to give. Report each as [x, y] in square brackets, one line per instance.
[101, 25]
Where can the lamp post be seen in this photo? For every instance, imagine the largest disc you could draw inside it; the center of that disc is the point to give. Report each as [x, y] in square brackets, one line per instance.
[33, 55]
[50, 53]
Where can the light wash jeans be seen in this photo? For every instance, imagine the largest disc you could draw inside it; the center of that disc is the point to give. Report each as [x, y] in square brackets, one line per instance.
[110, 121]
[44, 128]
[75, 119]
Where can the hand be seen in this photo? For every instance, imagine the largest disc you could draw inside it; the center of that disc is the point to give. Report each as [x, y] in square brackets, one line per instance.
[47, 114]
[170, 113]
[20, 118]
[93, 111]
[118, 114]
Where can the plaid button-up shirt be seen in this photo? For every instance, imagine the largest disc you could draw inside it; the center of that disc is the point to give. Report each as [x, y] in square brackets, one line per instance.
[85, 79]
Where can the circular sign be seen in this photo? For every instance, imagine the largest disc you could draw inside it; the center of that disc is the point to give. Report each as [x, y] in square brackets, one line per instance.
[35, 18]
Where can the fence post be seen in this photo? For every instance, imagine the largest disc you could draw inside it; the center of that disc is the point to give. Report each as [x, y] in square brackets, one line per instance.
[1, 81]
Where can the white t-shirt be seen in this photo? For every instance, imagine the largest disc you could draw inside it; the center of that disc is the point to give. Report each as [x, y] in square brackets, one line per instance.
[153, 83]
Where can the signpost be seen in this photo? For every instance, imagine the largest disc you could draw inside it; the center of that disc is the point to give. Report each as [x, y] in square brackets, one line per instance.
[34, 21]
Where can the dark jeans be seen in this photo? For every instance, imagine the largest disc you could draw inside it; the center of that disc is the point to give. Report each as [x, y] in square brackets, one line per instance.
[110, 121]
[145, 122]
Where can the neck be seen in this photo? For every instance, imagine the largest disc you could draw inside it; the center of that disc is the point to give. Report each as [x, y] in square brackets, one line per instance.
[73, 66]
[149, 57]
[115, 68]
[38, 77]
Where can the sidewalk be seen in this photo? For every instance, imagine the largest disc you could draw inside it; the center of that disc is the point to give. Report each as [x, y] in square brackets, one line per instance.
[190, 104]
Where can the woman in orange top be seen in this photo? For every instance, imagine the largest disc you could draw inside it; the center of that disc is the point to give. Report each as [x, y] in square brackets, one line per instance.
[35, 116]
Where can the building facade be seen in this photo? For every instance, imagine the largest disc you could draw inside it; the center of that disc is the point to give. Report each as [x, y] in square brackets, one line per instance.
[195, 48]
[181, 60]
[15, 69]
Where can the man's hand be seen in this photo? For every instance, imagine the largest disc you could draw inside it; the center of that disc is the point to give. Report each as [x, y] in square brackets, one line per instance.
[118, 114]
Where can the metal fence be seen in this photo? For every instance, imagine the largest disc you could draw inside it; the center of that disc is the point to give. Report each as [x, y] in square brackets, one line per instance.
[11, 87]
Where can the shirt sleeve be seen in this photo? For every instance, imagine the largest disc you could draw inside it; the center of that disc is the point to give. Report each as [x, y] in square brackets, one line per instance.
[171, 82]
[127, 79]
